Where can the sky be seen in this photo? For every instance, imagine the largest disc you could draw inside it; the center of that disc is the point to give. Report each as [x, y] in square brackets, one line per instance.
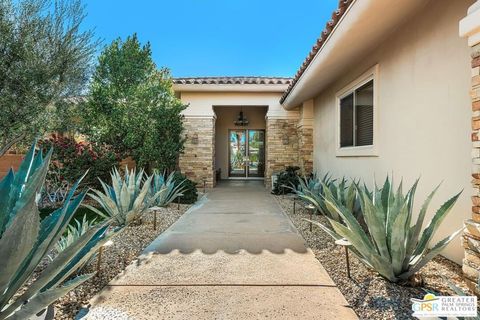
[216, 37]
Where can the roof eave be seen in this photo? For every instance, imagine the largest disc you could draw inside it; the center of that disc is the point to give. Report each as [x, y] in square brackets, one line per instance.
[347, 43]
[230, 87]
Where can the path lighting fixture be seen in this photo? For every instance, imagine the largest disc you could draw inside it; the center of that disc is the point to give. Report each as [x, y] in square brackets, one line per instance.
[241, 119]
[154, 210]
[310, 208]
[345, 243]
[100, 252]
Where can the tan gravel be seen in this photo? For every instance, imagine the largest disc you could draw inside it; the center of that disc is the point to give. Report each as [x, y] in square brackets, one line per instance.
[371, 296]
[127, 245]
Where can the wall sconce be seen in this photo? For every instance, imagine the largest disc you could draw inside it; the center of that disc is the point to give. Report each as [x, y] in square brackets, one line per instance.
[195, 138]
[285, 139]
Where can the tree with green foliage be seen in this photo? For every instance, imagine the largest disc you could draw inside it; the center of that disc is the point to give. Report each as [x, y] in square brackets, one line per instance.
[132, 106]
[45, 57]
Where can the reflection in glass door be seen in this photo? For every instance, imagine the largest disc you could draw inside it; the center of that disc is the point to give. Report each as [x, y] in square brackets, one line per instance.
[246, 153]
[237, 154]
[256, 153]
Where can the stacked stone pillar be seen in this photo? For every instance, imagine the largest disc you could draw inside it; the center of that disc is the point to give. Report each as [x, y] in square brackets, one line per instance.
[197, 161]
[281, 144]
[470, 28]
[305, 138]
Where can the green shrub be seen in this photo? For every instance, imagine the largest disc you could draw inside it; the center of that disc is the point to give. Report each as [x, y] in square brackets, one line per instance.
[390, 244]
[72, 159]
[286, 180]
[190, 194]
[25, 242]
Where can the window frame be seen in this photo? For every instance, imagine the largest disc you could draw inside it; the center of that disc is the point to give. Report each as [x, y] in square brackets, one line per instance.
[358, 151]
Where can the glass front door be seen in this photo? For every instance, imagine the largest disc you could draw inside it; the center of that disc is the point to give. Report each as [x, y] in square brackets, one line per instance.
[246, 153]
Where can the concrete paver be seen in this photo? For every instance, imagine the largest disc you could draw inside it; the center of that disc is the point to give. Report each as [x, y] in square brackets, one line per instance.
[234, 255]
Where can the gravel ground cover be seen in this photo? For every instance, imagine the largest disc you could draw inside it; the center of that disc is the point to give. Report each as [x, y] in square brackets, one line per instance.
[371, 296]
[127, 245]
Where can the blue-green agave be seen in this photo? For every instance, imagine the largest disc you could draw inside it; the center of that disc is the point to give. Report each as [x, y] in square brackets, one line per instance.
[126, 199]
[390, 243]
[164, 189]
[314, 191]
[25, 241]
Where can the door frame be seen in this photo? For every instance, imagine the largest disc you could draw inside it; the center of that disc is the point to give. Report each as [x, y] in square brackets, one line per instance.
[245, 174]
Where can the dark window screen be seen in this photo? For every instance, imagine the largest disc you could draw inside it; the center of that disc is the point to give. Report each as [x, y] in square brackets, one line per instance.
[346, 121]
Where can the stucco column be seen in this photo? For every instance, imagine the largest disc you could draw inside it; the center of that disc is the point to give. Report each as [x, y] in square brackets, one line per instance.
[469, 28]
[197, 161]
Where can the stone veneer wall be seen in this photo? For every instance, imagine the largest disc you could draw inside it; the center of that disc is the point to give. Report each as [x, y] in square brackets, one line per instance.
[282, 146]
[471, 237]
[305, 149]
[197, 161]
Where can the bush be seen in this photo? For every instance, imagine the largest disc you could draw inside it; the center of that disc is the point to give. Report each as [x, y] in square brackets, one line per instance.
[394, 243]
[71, 159]
[190, 194]
[286, 180]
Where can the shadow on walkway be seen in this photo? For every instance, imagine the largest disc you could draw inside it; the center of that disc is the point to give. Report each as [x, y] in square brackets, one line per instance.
[235, 215]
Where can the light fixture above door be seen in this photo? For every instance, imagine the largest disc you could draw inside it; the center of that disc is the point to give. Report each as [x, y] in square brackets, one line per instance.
[241, 121]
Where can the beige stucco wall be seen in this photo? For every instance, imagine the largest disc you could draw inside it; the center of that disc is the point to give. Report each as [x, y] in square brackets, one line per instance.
[226, 115]
[202, 103]
[423, 113]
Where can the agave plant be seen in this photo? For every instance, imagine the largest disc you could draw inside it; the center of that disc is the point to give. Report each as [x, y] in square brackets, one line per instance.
[164, 190]
[74, 231]
[391, 244]
[125, 200]
[25, 241]
[314, 191]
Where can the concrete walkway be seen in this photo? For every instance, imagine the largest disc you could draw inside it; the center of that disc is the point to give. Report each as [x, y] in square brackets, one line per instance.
[234, 255]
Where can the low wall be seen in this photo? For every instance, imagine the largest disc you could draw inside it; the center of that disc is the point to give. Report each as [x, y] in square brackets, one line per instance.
[9, 161]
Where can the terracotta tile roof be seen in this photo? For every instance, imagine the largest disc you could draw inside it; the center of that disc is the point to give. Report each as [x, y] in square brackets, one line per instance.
[234, 80]
[336, 16]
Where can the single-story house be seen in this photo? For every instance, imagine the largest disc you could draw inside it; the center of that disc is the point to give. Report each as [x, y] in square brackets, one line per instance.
[389, 88]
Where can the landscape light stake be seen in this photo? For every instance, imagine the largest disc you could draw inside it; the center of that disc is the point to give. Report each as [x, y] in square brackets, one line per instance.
[204, 185]
[178, 203]
[99, 259]
[154, 219]
[100, 252]
[348, 261]
[345, 243]
[294, 202]
[310, 208]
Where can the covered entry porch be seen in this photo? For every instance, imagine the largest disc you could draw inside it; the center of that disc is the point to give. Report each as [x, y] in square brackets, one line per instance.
[219, 147]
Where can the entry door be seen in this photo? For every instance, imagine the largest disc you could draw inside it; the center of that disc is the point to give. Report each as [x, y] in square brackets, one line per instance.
[246, 153]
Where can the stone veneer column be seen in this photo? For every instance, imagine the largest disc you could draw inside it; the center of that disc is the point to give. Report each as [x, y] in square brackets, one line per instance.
[305, 149]
[470, 27]
[282, 145]
[305, 137]
[197, 161]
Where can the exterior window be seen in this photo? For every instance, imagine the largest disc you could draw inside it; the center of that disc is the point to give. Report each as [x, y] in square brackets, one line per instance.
[356, 117]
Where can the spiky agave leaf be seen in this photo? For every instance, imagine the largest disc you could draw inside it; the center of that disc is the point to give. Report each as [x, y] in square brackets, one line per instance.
[389, 244]
[123, 201]
[26, 241]
[167, 190]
